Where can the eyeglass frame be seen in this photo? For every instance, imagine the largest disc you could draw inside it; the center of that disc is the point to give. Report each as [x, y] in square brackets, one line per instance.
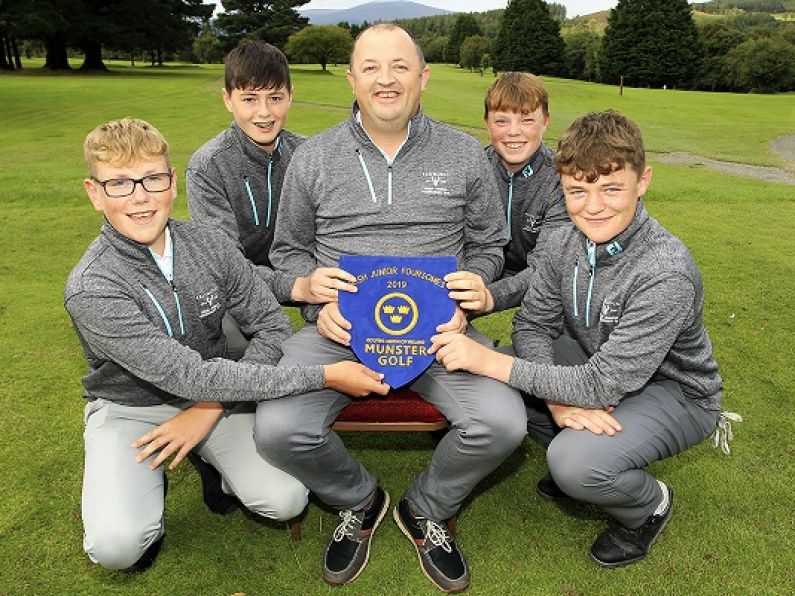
[135, 182]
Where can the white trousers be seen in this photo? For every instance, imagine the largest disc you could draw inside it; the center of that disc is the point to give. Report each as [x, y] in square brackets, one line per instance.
[123, 500]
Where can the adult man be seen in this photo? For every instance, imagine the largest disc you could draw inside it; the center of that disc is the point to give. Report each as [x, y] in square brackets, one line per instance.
[364, 187]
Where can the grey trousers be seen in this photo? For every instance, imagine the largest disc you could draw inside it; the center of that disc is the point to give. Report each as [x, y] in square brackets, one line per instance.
[123, 500]
[657, 422]
[487, 423]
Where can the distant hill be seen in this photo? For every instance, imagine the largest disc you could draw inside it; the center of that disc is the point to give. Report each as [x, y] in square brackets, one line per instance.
[380, 10]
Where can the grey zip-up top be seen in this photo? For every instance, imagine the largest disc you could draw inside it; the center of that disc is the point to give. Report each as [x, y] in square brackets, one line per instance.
[534, 204]
[149, 341]
[634, 305]
[343, 196]
[234, 185]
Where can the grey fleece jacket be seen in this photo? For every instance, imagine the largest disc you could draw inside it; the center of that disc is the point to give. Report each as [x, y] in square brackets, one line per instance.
[634, 305]
[148, 341]
[234, 185]
[534, 204]
[343, 196]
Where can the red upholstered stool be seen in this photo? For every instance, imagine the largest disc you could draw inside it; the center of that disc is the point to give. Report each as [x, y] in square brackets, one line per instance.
[401, 410]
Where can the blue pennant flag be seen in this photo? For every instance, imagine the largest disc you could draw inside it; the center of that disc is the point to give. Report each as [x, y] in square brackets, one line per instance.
[399, 303]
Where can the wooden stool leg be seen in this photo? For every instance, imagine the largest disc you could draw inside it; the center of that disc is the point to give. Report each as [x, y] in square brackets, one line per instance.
[451, 524]
[294, 529]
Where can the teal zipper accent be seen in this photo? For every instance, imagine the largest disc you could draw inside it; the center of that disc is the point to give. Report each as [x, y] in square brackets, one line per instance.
[270, 195]
[366, 175]
[161, 311]
[251, 200]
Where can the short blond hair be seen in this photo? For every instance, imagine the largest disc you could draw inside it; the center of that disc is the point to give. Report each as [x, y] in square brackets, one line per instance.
[518, 92]
[123, 142]
[598, 144]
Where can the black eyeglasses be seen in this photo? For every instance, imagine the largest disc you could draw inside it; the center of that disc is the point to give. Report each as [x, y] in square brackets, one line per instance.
[124, 187]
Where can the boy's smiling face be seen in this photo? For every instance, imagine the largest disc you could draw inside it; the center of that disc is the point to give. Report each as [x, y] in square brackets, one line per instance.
[143, 215]
[604, 208]
[260, 113]
[516, 136]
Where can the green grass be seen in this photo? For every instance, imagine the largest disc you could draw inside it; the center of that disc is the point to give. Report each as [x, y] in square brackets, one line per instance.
[733, 528]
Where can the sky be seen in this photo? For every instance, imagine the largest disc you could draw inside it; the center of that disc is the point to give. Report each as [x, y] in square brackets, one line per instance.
[573, 7]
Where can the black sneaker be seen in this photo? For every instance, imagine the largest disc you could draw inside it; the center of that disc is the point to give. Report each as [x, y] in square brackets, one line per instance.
[440, 559]
[349, 548]
[214, 497]
[549, 489]
[618, 545]
[149, 556]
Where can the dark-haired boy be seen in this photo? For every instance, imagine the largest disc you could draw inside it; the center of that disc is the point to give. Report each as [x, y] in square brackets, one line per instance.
[633, 380]
[235, 179]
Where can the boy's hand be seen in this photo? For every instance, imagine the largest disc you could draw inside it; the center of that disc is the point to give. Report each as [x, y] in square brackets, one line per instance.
[332, 325]
[469, 291]
[459, 352]
[354, 379]
[597, 421]
[322, 285]
[458, 324]
[178, 435]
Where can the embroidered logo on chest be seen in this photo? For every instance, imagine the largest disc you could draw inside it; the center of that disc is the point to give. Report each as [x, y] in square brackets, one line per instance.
[208, 303]
[435, 183]
[532, 223]
[611, 311]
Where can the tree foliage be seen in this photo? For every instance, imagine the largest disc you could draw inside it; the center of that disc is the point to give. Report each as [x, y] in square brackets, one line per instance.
[651, 43]
[529, 39]
[273, 21]
[155, 26]
[472, 51]
[465, 26]
[581, 53]
[321, 44]
[763, 65]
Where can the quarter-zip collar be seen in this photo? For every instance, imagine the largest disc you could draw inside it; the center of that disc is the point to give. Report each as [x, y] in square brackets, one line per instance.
[142, 260]
[253, 151]
[529, 169]
[603, 254]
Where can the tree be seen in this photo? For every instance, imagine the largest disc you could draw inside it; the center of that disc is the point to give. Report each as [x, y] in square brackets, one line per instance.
[558, 11]
[764, 65]
[270, 20]
[718, 40]
[581, 54]
[434, 47]
[529, 39]
[472, 51]
[322, 44]
[465, 26]
[651, 43]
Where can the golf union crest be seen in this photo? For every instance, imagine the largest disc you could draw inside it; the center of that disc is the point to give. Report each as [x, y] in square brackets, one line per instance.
[399, 303]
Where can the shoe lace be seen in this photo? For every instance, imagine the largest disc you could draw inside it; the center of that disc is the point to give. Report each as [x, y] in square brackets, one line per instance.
[438, 535]
[346, 526]
[723, 431]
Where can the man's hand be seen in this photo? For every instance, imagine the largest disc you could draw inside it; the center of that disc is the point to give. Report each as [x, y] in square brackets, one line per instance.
[469, 291]
[458, 324]
[178, 435]
[354, 379]
[455, 351]
[322, 285]
[597, 421]
[332, 325]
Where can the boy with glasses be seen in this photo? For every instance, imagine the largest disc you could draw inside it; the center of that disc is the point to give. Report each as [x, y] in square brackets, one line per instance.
[147, 300]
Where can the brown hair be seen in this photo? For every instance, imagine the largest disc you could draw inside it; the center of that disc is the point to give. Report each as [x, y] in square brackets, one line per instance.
[254, 64]
[598, 144]
[388, 27]
[123, 142]
[519, 92]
